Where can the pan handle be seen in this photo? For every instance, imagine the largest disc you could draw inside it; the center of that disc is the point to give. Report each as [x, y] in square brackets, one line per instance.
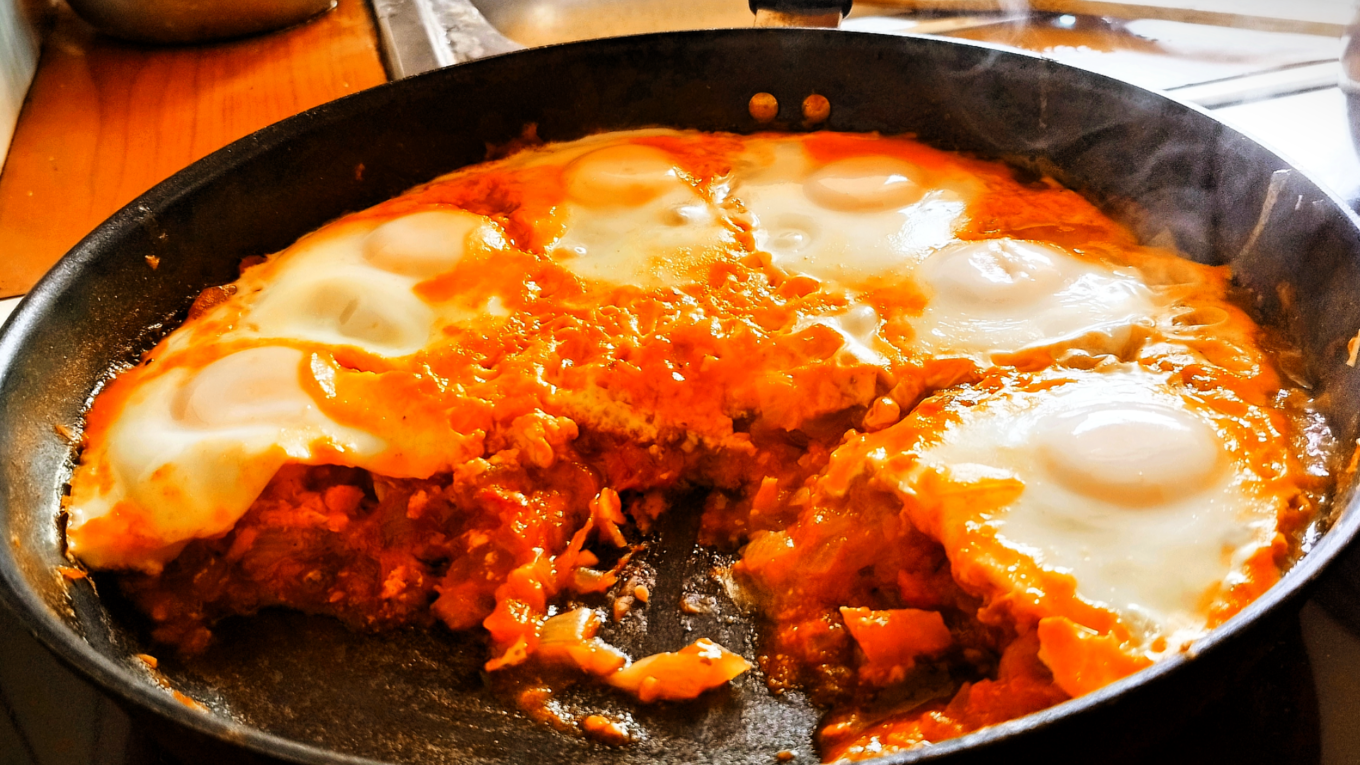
[420, 35]
[800, 13]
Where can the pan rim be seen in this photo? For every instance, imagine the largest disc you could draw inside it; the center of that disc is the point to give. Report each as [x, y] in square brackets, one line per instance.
[121, 683]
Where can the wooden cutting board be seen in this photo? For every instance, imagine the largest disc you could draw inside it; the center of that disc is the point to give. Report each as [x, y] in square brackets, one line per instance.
[106, 120]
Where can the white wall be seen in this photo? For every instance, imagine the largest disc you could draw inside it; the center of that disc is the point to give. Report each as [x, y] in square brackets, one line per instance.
[18, 61]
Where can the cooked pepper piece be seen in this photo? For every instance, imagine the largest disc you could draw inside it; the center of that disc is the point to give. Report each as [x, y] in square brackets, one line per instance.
[892, 640]
[680, 675]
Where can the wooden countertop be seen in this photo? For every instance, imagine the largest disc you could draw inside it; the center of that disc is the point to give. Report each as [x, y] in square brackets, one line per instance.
[106, 120]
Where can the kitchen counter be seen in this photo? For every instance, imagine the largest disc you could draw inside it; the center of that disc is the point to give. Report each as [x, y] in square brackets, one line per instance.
[106, 120]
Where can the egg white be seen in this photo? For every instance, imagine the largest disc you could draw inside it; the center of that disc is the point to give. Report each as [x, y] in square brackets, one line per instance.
[1005, 295]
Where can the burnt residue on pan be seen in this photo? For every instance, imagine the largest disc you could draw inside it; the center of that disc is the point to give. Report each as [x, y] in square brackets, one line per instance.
[424, 697]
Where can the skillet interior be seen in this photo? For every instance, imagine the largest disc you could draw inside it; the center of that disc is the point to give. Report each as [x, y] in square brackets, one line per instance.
[417, 696]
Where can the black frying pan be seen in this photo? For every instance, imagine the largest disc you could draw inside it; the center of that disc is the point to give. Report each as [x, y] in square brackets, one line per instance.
[302, 689]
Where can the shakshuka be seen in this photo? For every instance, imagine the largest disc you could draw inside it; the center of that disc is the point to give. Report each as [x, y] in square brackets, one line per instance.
[980, 449]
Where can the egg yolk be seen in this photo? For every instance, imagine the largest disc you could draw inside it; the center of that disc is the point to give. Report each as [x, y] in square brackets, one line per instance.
[624, 176]
[422, 244]
[361, 308]
[1129, 454]
[864, 184]
[251, 387]
[998, 274]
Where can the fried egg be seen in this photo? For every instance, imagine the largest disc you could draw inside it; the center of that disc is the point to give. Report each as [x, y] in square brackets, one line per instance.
[191, 449]
[849, 221]
[632, 218]
[1112, 499]
[354, 285]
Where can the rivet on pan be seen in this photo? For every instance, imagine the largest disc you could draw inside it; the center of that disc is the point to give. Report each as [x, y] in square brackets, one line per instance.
[816, 108]
[763, 107]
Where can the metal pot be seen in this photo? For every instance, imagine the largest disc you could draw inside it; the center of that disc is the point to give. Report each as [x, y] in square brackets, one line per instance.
[301, 689]
[177, 21]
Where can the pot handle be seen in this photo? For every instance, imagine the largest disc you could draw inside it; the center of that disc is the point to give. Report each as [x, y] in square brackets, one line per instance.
[800, 13]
